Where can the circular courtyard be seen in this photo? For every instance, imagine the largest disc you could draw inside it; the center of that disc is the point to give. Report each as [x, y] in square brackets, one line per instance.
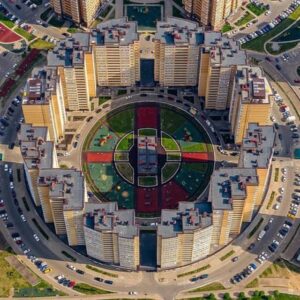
[147, 156]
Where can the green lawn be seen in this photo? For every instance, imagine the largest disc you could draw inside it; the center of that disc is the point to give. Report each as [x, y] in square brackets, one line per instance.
[147, 132]
[10, 278]
[253, 284]
[215, 286]
[147, 180]
[291, 34]
[103, 99]
[283, 47]
[45, 15]
[126, 143]
[56, 22]
[125, 169]
[246, 18]
[168, 142]
[6, 21]
[28, 36]
[227, 27]
[173, 156]
[122, 122]
[169, 170]
[257, 44]
[170, 120]
[89, 290]
[41, 45]
[256, 9]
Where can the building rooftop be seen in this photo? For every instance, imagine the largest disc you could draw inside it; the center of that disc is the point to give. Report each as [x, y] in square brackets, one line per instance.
[37, 152]
[252, 85]
[115, 31]
[66, 184]
[223, 51]
[186, 218]
[69, 52]
[40, 86]
[257, 146]
[177, 31]
[227, 184]
[107, 217]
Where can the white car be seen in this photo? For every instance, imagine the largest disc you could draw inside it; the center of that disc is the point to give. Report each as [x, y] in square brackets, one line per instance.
[6, 167]
[26, 251]
[281, 190]
[23, 218]
[11, 185]
[71, 267]
[36, 237]
[39, 22]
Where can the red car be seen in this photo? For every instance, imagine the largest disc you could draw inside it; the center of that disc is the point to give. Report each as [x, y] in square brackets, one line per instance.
[71, 284]
[297, 80]
[19, 242]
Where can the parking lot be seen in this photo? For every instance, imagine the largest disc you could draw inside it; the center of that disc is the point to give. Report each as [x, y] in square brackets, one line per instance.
[7, 62]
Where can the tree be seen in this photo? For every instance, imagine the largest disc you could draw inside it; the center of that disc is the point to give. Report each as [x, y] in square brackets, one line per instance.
[226, 296]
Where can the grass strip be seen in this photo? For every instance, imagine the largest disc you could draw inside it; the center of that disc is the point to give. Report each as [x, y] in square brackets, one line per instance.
[271, 200]
[194, 271]
[68, 255]
[89, 290]
[215, 286]
[101, 271]
[41, 230]
[252, 232]
[228, 254]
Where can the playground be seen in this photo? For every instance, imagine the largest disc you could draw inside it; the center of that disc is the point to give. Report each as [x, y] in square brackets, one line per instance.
[147, 156]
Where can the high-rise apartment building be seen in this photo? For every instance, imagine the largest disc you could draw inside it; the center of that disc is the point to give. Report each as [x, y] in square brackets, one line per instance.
[184, 236]
[43, 103]
[62, 194]
[176, 52]
[79, 11]
[252, 101]
[75, 65]
[212, 12]
[257, 152]
[111, 235]
[116, 50]
[233, 193]
[219, 59]
[38, 153]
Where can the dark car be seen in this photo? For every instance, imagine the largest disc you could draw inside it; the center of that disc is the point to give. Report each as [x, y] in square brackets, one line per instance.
[9, 225]
[278, 67]
[295, 135]
[18, 6]
[80, 271]
[288, 223]
[143, 95]
[203, 276]
[267, 227]
[251, 246]
[11, 109]
[13, 192]
[75, 144]
[108, 282]
[20, 210]
[11, 146]
[16, 202]
[98, 279]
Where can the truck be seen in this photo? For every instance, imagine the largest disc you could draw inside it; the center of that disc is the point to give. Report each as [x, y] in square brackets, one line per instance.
[261, 235]
[291, 119]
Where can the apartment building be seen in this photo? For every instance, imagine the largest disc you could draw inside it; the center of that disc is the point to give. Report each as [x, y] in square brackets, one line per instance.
[233, 193]
[183, 236]
[256, 152]
[252, 101]
[74, 63]
[79, 11]
[43, 104]
[111, 235]
[212, 12]
[38, 153]
[176, 52]
[116, 50]
[62, 194]
[219, 59]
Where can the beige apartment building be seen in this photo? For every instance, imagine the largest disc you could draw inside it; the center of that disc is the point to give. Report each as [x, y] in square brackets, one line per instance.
[233, 193]
[38, 153]
[184, 236]
[43, 103]
[219, 59]
[252, 101]
[111, 235]
[212, 12]
[257, 152]
[116, 52]
[62, 194]
[176, 52]
[75, 65]
[79, 11]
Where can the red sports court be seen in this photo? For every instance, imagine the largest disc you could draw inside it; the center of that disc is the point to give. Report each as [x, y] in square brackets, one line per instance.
[194, 156]
[99, 157]
[147, 199]
[171, 194]
[147, 117]
[7, 36]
